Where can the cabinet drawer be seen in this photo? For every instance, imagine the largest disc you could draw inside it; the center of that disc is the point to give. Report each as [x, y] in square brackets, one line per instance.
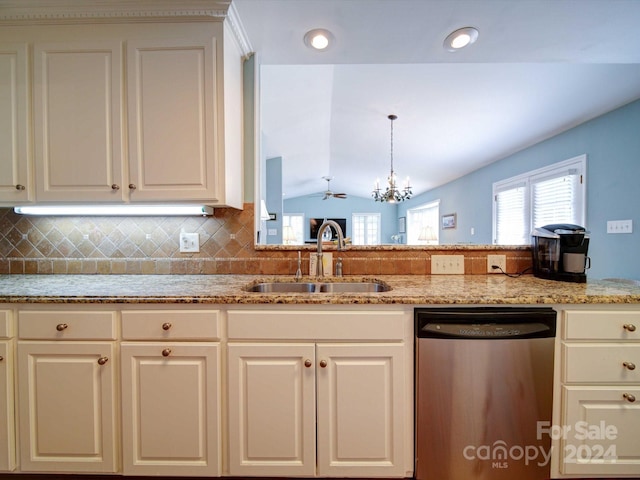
[317, 325]
[67, 325]
[171, 325]
[601, 363]
[6, 325]
[601, 325]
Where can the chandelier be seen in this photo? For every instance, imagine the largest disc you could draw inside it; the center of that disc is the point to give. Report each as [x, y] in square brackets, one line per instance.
[392, 194]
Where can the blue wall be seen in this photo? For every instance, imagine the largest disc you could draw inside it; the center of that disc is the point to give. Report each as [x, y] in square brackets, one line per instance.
[612, 145]
[315, 207]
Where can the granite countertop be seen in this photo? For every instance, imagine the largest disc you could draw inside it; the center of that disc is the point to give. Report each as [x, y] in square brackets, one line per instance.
[231, 289]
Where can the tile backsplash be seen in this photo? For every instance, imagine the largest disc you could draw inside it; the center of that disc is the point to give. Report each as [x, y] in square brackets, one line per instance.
[150, 245]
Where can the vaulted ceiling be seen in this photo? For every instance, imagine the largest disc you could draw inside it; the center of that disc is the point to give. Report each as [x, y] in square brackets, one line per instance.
[538, 68]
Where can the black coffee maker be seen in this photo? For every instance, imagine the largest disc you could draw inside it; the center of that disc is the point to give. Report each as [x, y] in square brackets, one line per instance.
[560, 252]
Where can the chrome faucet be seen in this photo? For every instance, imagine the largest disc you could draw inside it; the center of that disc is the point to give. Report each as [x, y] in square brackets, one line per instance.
[341, 246]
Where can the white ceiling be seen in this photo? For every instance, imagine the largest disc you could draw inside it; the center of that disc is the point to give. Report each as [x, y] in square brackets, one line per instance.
[539, 67]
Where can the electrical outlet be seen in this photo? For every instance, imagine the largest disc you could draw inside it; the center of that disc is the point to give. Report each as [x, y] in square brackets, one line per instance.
[498, 260]
[447, 264]
[189, 242]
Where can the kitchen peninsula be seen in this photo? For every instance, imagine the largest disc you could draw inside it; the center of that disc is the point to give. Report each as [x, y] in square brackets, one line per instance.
[134, 355]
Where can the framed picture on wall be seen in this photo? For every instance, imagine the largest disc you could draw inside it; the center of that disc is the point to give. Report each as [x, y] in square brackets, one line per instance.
[449, 220]
[402, 224]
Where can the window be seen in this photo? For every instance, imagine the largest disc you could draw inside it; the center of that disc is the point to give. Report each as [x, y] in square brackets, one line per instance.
[293, 228]
[365, 228]
[422, 224]
[554, 194]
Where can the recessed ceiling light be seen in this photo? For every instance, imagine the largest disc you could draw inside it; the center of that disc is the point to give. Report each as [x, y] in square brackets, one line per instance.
[318, 39]
[460, 38]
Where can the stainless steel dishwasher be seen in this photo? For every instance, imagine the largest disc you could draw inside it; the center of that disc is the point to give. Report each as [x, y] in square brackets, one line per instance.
[484, 381]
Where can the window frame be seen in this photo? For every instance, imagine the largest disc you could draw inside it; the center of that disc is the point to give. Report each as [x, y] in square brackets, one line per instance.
[371, 215]
[286, 221]
[436, 226]
[528, 179]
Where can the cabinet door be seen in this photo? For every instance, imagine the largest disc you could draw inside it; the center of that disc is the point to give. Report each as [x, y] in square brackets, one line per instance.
[7, 426]
[360, 410]
[598, 422]
[77, 113]
[272, 410]
[14, 154]
[170, 409]
[67, 406]
[172, 143]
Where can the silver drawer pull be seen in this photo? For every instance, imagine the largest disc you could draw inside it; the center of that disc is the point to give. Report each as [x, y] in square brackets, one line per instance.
[166, 326]
[166, 352]
[629, 327]
[61, 326]
[629, 397]
[629, 365]
[103, 360]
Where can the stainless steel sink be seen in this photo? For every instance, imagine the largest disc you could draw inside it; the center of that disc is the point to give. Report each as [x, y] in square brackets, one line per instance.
[320, 287]
[282, 287]
[353, 287]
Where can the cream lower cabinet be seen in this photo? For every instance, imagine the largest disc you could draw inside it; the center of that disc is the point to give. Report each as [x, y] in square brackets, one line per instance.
[170, 393]
[67, 391]
[7, 423]
[317, 408]
[600, 393]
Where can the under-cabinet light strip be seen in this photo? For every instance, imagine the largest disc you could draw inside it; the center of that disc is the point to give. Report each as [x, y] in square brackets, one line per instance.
[114, 210]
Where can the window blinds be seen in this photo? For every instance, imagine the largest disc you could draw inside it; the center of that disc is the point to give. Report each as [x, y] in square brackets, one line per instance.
[554, 194]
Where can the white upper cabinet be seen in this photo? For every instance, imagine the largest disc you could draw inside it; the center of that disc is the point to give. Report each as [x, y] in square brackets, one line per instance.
[78, 121]
[15, 158]
[171, 119]
[128, 106]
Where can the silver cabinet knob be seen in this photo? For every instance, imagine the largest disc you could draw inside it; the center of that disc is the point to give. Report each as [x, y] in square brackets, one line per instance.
[115, 187]
[103, 360]
[629, 327]
[629, 397]
[308, 363]
[61, 326]
[323, 363]
[166, 352]
[20, 187]
[132, 186]
[629, 365]
[166, 326]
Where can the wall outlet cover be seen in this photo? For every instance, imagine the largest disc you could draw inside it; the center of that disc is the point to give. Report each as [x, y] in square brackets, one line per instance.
[189, 242]
[498, 260]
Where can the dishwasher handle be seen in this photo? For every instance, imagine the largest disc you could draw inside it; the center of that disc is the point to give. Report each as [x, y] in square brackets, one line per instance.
[486, 331]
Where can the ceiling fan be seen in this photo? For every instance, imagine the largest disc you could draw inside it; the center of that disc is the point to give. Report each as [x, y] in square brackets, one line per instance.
[328, 193]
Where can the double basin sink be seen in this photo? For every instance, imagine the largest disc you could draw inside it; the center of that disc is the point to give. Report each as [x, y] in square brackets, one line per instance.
[320, 287]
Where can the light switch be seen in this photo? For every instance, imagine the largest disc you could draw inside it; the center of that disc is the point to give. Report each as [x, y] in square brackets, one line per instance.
[620, 226]
[447, 264]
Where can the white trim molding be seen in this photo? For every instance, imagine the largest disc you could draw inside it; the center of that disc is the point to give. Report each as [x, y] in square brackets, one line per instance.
[74, 11]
